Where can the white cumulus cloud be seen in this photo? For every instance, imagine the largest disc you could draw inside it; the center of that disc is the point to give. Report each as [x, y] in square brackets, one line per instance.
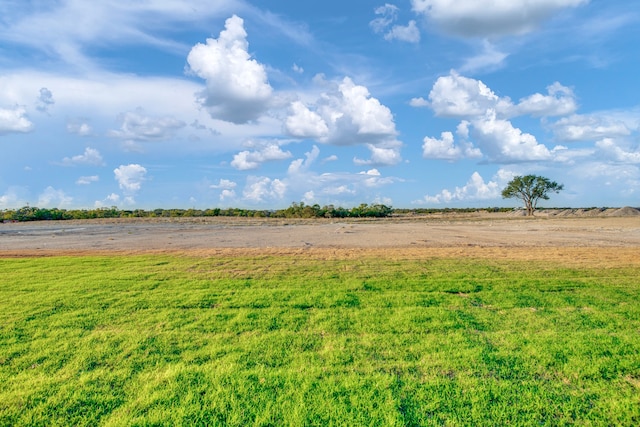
[51, 197]
[237, 87]
[485, 121]
[446, 149]
[419, 102]
[224, 184]
[261, 189]
[591, 127]
[347, 114]
[111, 200]
[458, 96]
[246, 160]
[475, 189]
[559, 101]
[14, 120]
[359, 108]
[228, 189]
[227, 194]
[502, 142]
[304, 123]
[617, 152]
[373, 178]
[14, 197]
[302, 165]
[332, 188]
[130, 177]
[382, 154]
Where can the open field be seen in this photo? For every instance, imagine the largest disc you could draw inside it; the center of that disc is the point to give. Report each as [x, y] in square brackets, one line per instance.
[433, 231]
[470, 321]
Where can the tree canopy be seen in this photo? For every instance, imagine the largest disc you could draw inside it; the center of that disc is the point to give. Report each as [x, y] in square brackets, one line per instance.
[296, 210]
[530, 189]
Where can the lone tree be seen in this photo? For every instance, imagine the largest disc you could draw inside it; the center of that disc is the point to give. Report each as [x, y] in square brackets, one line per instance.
[530, 189]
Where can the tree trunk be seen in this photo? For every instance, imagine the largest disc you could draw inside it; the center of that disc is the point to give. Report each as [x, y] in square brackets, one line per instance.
[530, 207]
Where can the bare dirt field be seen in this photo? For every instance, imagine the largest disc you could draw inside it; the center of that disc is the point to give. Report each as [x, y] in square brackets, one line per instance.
[584, 239]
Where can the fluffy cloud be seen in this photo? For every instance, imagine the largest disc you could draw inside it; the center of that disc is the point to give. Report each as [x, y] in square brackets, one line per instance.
[14, 120]
[332, 188]
[382, 154]
[502, 142]
[224, 184]
[446, 149]
[136, 126]
[347, 114]
[373, 178]
[559, 101]
[130, 177]
[419, 102]
[90, 156]
[246, 160]
[360, 109]
[485, 117]
[489, 18]
[111, 200]
[304, 123]
[614, 151]
[227, 194]
[475, 189]
[458, 96]
[237, 87]
[227, 187]
[51, 197]
[14, 197]
[261, 189]
[302, 165]
[590, 127]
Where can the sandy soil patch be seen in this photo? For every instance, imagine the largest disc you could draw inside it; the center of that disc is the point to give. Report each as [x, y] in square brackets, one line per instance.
[604, 240]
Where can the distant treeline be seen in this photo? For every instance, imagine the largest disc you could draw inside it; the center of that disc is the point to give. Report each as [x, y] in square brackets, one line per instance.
[427, 211]
[296, 210]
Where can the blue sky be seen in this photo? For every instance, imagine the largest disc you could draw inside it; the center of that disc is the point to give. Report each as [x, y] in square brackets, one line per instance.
[258, 104]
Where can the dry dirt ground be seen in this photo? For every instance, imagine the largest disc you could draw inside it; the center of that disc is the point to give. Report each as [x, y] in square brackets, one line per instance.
[583, 239]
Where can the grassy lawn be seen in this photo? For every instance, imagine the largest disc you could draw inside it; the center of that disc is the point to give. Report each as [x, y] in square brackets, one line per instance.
[291, 340]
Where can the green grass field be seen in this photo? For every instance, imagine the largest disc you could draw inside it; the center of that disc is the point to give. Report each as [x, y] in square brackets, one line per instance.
[288, 340]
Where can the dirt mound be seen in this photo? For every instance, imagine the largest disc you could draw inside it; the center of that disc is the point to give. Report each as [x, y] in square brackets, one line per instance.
[560, 212]
[585, 212]
[626, 211]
